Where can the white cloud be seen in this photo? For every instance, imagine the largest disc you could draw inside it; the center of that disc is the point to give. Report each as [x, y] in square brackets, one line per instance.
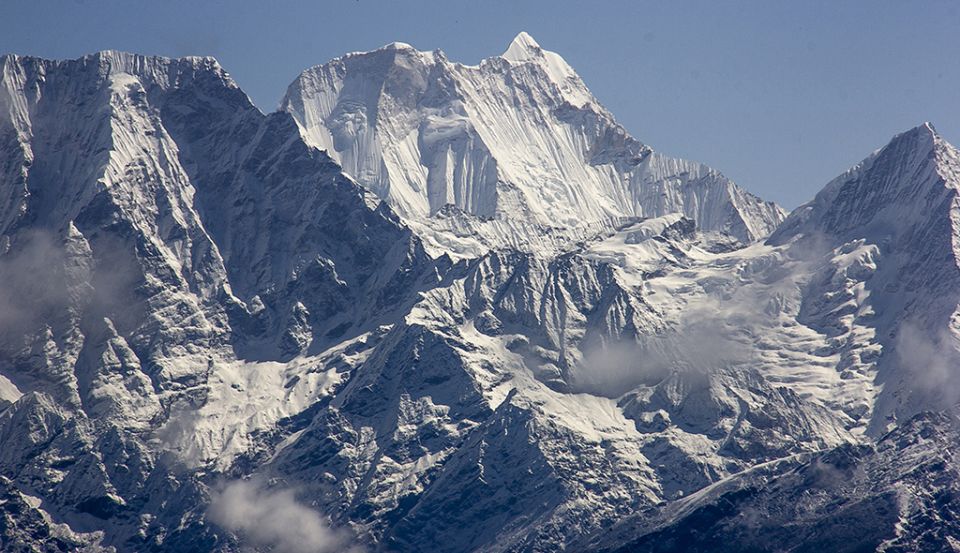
[702, 342]
[274, 518]
[931, 359]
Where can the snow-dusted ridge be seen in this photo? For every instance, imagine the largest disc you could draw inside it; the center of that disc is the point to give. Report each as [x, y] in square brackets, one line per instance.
[517, 141]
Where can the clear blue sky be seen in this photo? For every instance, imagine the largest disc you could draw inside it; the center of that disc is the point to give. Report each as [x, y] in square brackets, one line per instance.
[780, 96]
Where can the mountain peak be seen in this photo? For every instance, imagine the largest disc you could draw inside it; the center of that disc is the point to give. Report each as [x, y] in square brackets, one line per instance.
[397, 45]
[119, 60]
[922, 136]
[129, 61]
[423, 135]
[522, 48]
[893, 188]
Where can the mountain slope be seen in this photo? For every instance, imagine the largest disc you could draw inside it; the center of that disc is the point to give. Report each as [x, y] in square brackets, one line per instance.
[193, 298]
[897, 211]
[475, 424]
[517, 141]
[897, 495]
[873, 264]
[159, 230]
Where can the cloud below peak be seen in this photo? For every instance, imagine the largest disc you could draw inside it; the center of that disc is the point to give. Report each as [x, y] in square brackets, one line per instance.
[273, 518]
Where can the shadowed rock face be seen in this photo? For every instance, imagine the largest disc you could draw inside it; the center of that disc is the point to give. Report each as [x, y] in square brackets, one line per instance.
[191, 293]
[900, 494]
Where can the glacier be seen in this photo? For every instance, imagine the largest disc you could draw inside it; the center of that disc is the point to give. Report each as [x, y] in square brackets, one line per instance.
[434, 307]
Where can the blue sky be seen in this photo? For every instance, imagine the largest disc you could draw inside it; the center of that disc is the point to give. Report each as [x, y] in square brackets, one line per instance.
[780, 96]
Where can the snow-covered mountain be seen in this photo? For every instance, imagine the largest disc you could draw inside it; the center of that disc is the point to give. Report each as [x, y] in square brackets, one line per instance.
[160, 229]
[214, 338]
[894, 228]
[514, 151]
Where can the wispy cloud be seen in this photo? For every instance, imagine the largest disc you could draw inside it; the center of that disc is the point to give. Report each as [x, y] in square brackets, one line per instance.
[702, 342]
[32, 283]
[932, 360]
[45, 277]
[273, 518]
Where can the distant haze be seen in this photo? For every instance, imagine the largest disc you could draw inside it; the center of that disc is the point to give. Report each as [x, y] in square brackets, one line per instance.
[779, 96]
